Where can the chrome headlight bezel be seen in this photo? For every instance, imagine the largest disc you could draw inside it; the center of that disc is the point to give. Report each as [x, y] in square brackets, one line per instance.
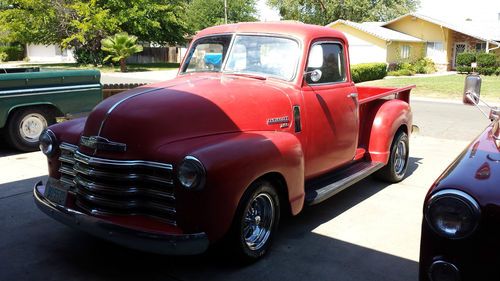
[191, 173]
[47, 142]
[459, 204]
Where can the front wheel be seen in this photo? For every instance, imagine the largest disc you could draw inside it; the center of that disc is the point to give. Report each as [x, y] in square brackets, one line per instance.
[256, 221]
[25, 126]
[395, 169]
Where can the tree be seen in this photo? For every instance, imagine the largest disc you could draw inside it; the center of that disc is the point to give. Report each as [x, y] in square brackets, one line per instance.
[29, 21]
[120, 46]
[205, 13]
[82, 24]
[323, 12]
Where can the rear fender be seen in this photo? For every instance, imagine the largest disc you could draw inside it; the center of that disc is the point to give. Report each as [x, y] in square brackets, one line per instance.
[390, 117]
[232, 165]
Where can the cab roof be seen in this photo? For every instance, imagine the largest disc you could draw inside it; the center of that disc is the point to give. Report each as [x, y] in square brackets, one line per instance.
[301, 31]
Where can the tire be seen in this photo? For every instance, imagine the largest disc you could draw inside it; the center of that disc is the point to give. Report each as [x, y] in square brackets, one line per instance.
[25, 126]
[256, 222]
[395, 170]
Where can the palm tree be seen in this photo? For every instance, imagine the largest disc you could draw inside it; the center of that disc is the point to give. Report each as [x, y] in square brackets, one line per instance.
[120, 46]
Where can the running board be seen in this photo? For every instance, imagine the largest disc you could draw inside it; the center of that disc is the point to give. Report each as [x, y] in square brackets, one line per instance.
[325, 187]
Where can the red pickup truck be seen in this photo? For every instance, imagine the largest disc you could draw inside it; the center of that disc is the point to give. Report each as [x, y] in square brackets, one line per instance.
[228, 146]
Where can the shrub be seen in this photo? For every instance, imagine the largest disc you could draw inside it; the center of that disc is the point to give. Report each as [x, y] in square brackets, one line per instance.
[486, 59]
[488, 70]
[368, 71]
[465, 59]
[3, 56]
[405, 65]
[464, 69]
[497, 72]
[86, 56]
[14, 53]
[120, 46]
[401, 72]
[424, 66]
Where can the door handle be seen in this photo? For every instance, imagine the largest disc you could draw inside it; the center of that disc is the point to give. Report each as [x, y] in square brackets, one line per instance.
[352, 95]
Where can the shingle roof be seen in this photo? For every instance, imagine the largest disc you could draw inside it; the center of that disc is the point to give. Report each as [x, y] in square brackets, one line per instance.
[485, 31]
[378, 31]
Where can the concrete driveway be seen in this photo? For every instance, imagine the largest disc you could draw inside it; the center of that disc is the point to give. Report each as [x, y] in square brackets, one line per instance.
[370, 231]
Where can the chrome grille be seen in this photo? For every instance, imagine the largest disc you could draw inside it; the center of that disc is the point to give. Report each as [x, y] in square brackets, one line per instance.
[119, 187]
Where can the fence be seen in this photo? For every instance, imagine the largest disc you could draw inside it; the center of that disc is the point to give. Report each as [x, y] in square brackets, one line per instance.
[155, 55]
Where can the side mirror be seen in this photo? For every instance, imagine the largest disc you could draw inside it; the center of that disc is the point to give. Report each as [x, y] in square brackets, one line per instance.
[472, 89]
[315, 75]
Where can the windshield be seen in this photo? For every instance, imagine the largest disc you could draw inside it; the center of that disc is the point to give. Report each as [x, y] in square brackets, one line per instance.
[250, 54]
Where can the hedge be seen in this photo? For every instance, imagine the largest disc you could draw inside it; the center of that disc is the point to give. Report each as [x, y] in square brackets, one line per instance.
[486, 63]
[14, 53]
[486, 60]
[401, 72]
[368, 71]
[489, 70]
[464, 69]
[465, 59]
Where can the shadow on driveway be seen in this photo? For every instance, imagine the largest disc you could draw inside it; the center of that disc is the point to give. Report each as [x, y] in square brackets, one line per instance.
[35, 247]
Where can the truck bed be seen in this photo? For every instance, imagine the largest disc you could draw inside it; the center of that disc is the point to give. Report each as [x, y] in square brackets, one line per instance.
[367, 94]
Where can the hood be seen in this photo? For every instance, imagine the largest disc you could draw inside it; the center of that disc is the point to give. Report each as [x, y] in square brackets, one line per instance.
[188, 107]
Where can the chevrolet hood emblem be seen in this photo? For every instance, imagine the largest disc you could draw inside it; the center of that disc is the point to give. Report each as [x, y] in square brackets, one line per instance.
[100, 143]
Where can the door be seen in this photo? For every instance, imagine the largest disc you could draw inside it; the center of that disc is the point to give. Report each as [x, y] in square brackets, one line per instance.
[458, 48]
[331, 109]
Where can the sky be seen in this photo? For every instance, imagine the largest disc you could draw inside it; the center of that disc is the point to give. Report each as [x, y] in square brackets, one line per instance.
[452, 10]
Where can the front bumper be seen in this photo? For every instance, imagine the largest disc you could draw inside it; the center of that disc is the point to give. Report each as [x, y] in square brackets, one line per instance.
[161, 243]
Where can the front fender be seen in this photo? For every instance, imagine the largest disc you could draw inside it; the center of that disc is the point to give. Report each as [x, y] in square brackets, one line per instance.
[233, 162]
[390, 116]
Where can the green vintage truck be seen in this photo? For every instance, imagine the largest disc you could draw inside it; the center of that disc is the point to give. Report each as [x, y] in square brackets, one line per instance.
[31, 100]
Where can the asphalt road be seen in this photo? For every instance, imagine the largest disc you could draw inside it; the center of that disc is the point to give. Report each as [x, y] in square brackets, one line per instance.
[444, 120]
[368, 232]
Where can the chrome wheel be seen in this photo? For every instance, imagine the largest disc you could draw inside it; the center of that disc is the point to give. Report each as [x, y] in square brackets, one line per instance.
[400, 158]
[31, 126]
[258, 221]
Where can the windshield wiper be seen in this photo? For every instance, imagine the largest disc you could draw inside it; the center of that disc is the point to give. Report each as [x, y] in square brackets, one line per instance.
[249, 75]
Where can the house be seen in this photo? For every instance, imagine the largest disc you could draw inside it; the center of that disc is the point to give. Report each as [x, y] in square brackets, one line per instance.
[413, 36]
[150, 54]
[49, 54]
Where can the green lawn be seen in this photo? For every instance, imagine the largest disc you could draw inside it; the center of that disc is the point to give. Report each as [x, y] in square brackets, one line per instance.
[107, 68]
[445, 87]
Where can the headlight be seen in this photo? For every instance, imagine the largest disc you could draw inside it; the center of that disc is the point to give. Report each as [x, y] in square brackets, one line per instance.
[47, 142]
[191, 173]
[452, 213]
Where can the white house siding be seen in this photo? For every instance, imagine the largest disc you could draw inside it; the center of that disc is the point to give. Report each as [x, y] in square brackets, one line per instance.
[362, 51]
[48, 54]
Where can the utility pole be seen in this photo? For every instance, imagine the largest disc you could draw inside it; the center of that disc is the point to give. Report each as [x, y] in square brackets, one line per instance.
[225, 11]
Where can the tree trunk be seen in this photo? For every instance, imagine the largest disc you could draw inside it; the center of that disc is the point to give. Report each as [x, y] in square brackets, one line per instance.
[123, 65]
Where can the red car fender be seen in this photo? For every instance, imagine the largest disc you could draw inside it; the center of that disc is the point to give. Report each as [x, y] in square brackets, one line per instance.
[232, 165]
[390, 117]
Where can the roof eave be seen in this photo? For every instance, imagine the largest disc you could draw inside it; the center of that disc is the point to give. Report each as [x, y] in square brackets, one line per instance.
[442, 24]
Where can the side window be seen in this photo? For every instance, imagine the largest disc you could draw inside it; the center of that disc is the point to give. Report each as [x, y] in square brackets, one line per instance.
[329, 59]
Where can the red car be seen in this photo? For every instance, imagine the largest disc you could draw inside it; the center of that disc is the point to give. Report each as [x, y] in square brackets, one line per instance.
[461, 223]
[223, 150]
